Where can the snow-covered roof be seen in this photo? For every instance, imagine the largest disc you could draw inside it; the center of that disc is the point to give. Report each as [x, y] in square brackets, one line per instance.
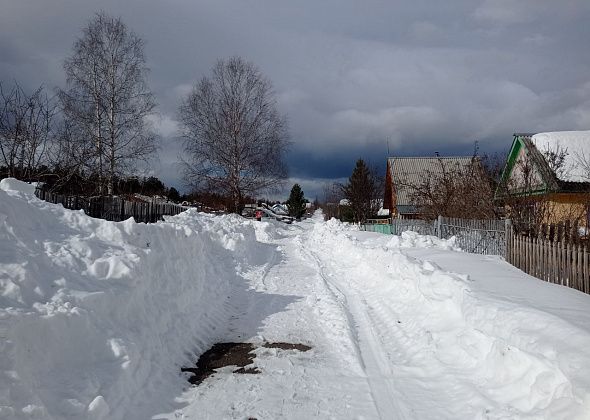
[383, 212]
[576, 148]
[280, 209]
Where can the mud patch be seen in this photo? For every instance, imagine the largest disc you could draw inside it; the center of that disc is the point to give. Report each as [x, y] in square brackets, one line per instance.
[232, 354]
[287, 346]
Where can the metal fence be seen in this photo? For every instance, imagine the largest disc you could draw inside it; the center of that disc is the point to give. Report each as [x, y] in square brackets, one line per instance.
[112, 208]
[423, 227]
[486, 237]
[397, 226]
[476, 236]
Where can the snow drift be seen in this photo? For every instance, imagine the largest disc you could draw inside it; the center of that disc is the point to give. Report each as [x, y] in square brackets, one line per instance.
[95, 316]
[96, 319]
[455, 351]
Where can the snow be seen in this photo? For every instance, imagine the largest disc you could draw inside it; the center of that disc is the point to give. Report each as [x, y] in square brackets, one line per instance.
[383, 212]
[96, 319]
[576, 144]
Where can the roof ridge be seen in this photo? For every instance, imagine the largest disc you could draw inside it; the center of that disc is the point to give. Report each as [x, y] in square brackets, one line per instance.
[430, 157]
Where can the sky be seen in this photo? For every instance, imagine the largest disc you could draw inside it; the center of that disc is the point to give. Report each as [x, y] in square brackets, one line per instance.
[356, 79]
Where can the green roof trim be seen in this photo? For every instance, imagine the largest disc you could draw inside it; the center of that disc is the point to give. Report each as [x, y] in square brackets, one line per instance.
[517, 145]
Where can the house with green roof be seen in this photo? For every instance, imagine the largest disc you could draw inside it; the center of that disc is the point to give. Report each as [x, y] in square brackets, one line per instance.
[552, 168]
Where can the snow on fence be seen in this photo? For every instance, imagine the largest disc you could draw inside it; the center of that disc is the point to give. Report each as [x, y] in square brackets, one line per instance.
[112, 208]
[552, 258]
[397, 226]
[564, 263]
[486, 237]
[475, 236]
[423, 227]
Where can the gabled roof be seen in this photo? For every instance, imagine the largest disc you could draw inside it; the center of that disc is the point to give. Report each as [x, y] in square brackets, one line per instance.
[572, 177]
[575, 146]
[408, 173]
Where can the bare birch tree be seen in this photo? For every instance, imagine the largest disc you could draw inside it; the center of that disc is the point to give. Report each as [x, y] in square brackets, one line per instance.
[108, 99]
[26, 125]
[68, 157]
[332, 194]
[235, 138]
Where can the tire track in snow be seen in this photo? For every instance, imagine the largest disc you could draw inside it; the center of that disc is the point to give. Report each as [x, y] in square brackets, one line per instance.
[370, 353]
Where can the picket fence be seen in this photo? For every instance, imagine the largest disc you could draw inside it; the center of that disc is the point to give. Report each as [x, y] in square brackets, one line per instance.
[550, 258]
[564, 263]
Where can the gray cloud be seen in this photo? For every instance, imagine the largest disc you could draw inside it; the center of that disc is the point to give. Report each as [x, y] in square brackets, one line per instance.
[350, 75]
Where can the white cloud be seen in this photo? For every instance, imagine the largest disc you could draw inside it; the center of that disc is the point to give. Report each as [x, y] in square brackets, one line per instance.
[164, 125]
[424, 31]
[511, 12]
[505, 11]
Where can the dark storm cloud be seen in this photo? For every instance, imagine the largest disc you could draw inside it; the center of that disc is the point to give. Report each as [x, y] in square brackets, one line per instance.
[351, 76]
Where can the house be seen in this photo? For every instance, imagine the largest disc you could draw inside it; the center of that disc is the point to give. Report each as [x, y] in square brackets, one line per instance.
[405, 174]
[552, 170]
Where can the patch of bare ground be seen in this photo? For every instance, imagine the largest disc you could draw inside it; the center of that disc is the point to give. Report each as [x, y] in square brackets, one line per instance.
[233, 354]
[287, 346]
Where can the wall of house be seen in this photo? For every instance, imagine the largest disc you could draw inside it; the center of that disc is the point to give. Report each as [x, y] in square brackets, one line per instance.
[389, 199]
[568, 206]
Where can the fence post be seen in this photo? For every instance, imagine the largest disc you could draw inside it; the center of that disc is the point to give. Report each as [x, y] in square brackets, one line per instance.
[507, 238]
[439, 227]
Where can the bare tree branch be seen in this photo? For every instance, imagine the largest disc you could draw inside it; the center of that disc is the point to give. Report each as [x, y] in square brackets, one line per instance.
[235, 139]
[108, 100]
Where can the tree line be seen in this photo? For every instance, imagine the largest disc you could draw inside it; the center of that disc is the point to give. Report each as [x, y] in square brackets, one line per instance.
[96, 131]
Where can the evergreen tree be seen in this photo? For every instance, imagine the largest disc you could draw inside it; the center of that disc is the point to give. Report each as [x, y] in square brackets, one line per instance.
[153, 186]
[296, 202]
[173, 195]
[363, 192]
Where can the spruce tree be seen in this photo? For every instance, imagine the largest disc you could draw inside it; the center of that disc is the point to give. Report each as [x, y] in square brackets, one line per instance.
[296, 202]
[173, 195]
[362, 192]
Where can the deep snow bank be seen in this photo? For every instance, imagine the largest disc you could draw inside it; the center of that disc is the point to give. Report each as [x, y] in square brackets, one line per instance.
[458, 352]
[95, 315]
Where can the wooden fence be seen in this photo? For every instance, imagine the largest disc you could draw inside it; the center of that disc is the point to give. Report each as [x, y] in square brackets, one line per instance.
[566, 231]
[112, 208]
[548, 256]
[564, 263]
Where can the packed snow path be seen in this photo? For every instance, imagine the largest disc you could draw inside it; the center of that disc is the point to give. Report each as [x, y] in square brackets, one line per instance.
[396, 337]
[97, 318]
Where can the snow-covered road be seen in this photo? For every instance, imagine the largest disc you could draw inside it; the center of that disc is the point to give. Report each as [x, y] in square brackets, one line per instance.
[395, 336]
[97, 318]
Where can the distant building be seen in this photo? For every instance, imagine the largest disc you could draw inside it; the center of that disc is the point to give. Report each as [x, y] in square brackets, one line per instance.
[405, 174]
